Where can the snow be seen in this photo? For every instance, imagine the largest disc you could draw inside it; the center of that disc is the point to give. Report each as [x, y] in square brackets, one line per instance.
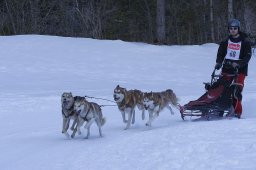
[35, 70]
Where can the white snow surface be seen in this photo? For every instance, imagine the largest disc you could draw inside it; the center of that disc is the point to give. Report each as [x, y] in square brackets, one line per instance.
[35, 70]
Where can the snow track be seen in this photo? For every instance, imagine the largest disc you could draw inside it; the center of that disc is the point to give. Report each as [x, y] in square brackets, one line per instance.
[35, 70]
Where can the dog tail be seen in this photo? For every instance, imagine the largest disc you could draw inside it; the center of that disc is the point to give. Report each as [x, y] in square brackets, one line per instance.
[102, 119]
[173, 98]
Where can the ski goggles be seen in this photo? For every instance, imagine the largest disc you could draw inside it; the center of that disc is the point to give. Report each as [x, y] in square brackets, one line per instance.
[233, 28]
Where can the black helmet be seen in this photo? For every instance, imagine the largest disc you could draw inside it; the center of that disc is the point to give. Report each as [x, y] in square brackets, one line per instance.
[234, 23]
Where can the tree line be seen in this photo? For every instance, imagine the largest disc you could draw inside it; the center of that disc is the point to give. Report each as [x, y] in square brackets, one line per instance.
[152, 21]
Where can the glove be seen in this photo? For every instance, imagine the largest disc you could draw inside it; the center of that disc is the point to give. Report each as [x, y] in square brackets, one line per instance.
[217, 66]
[235, 65]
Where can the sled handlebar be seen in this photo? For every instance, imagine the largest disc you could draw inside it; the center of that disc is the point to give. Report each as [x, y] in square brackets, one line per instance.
[217, 76]
[213, 75]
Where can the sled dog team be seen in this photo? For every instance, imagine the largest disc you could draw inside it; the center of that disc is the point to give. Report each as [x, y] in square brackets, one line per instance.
[79, 110]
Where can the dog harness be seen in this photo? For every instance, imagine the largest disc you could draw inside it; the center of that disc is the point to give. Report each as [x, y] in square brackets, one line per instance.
[70, 111]
[84, 118]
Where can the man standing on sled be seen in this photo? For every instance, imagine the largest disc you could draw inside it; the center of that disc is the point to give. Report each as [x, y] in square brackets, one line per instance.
[234, 53]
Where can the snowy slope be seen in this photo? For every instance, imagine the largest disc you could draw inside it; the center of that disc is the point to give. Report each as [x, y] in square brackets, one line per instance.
[36, 70]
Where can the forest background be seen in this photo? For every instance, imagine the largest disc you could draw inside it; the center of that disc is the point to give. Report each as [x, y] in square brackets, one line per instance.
[152, 21]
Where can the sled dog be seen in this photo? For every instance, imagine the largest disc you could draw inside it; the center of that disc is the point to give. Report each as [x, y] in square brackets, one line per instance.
[88, 112]
[155, 102]
[126, 101]
[68, 112]
[138, 95]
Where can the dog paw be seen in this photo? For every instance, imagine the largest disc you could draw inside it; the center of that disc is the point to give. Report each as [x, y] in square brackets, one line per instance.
[67, 135]
[125, 121]
[148, 124]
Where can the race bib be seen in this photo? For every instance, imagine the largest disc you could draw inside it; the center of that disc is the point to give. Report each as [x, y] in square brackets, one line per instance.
[233, 50]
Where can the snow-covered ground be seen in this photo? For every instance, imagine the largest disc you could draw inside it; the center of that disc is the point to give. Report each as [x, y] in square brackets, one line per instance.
[36, 70]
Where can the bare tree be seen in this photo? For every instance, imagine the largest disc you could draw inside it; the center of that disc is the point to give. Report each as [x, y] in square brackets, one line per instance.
[7, 5]
[160, 22]
[149, 21]
[212, 22]
[230, 10]
[204, 28]
[249, 17]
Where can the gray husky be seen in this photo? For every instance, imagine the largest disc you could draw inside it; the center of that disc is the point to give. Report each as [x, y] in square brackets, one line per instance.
[68, 112]
[155, 102]
[88, 112]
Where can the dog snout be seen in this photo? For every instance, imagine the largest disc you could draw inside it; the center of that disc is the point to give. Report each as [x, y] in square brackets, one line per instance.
[65, 102]
[78, 112]
[116, 97]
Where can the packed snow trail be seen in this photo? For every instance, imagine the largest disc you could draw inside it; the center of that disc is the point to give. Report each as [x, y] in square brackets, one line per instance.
[36, 70]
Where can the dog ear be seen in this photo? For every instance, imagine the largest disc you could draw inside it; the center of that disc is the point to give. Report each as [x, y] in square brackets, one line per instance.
[159, 96]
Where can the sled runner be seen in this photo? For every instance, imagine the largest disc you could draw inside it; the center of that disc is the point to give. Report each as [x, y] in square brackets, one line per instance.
[216, 101]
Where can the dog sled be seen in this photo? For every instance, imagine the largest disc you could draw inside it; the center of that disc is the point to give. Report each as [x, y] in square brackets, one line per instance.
[216, 101]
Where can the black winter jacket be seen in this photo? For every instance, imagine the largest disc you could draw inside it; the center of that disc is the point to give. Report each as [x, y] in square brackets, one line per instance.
[244, 57]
